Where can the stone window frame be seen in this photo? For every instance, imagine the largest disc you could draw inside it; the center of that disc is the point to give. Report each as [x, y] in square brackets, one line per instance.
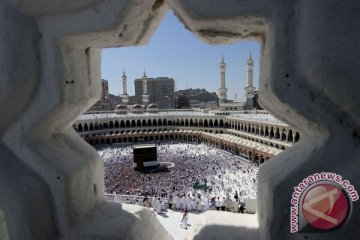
[52, 182]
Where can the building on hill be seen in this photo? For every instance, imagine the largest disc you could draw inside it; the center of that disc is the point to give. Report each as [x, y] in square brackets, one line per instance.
[182, 102]
[199, 98]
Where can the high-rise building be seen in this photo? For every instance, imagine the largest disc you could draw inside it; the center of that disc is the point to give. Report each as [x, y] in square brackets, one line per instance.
[158, 90]
[145, 95]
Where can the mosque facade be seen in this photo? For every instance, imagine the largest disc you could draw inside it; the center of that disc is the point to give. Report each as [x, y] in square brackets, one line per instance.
[255, 136]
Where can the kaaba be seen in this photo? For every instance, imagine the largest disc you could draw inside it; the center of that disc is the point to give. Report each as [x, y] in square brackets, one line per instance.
[145, 156]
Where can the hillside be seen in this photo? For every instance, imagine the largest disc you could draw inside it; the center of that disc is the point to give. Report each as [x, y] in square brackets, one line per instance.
[200, 95]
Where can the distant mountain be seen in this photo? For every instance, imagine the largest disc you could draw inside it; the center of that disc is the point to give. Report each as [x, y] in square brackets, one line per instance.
[200, 95]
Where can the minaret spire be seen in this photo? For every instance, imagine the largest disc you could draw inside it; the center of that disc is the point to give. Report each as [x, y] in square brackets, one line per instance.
[145, 96]
[124, 80]
[222, 89]
[250, 56]
[250, 90]
[124, 96]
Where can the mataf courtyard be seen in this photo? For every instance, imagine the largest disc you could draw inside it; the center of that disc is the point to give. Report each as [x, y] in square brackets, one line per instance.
[215, 171]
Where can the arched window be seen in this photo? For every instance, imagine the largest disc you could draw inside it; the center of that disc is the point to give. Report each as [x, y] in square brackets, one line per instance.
[221, 124]
[277, 133]
[261, 131]
[266, 132]
[283, 135]
[206, 123]
[290, 136]
[271, 134]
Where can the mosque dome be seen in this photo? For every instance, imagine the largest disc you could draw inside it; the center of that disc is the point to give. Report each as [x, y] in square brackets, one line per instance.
[153, 108]
[120, 109]
[152, 105]
[136, 108]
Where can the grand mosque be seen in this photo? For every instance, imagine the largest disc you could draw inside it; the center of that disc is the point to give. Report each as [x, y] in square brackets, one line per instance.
[252, 134]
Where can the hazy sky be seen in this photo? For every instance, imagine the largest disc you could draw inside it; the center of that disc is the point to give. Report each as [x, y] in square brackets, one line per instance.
[176, 53]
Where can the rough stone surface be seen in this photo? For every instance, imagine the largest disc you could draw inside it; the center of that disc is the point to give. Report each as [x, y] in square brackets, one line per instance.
[52, 183]
[224, 225]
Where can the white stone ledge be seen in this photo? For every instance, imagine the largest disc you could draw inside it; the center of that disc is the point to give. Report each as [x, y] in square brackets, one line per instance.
[225, 225]
[120, 221]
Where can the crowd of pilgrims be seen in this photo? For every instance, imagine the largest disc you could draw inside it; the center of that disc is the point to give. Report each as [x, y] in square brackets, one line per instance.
[200, 174]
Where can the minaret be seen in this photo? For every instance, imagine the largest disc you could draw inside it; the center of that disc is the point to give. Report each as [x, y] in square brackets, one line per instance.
[222, 89]
[124, 96]
[250, 90]
[145, 96]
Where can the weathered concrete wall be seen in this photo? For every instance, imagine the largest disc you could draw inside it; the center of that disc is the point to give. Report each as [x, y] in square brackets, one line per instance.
[51, 182]
[4, 235]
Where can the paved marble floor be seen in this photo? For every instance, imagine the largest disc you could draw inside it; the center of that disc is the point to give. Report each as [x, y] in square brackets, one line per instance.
[171, 221]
